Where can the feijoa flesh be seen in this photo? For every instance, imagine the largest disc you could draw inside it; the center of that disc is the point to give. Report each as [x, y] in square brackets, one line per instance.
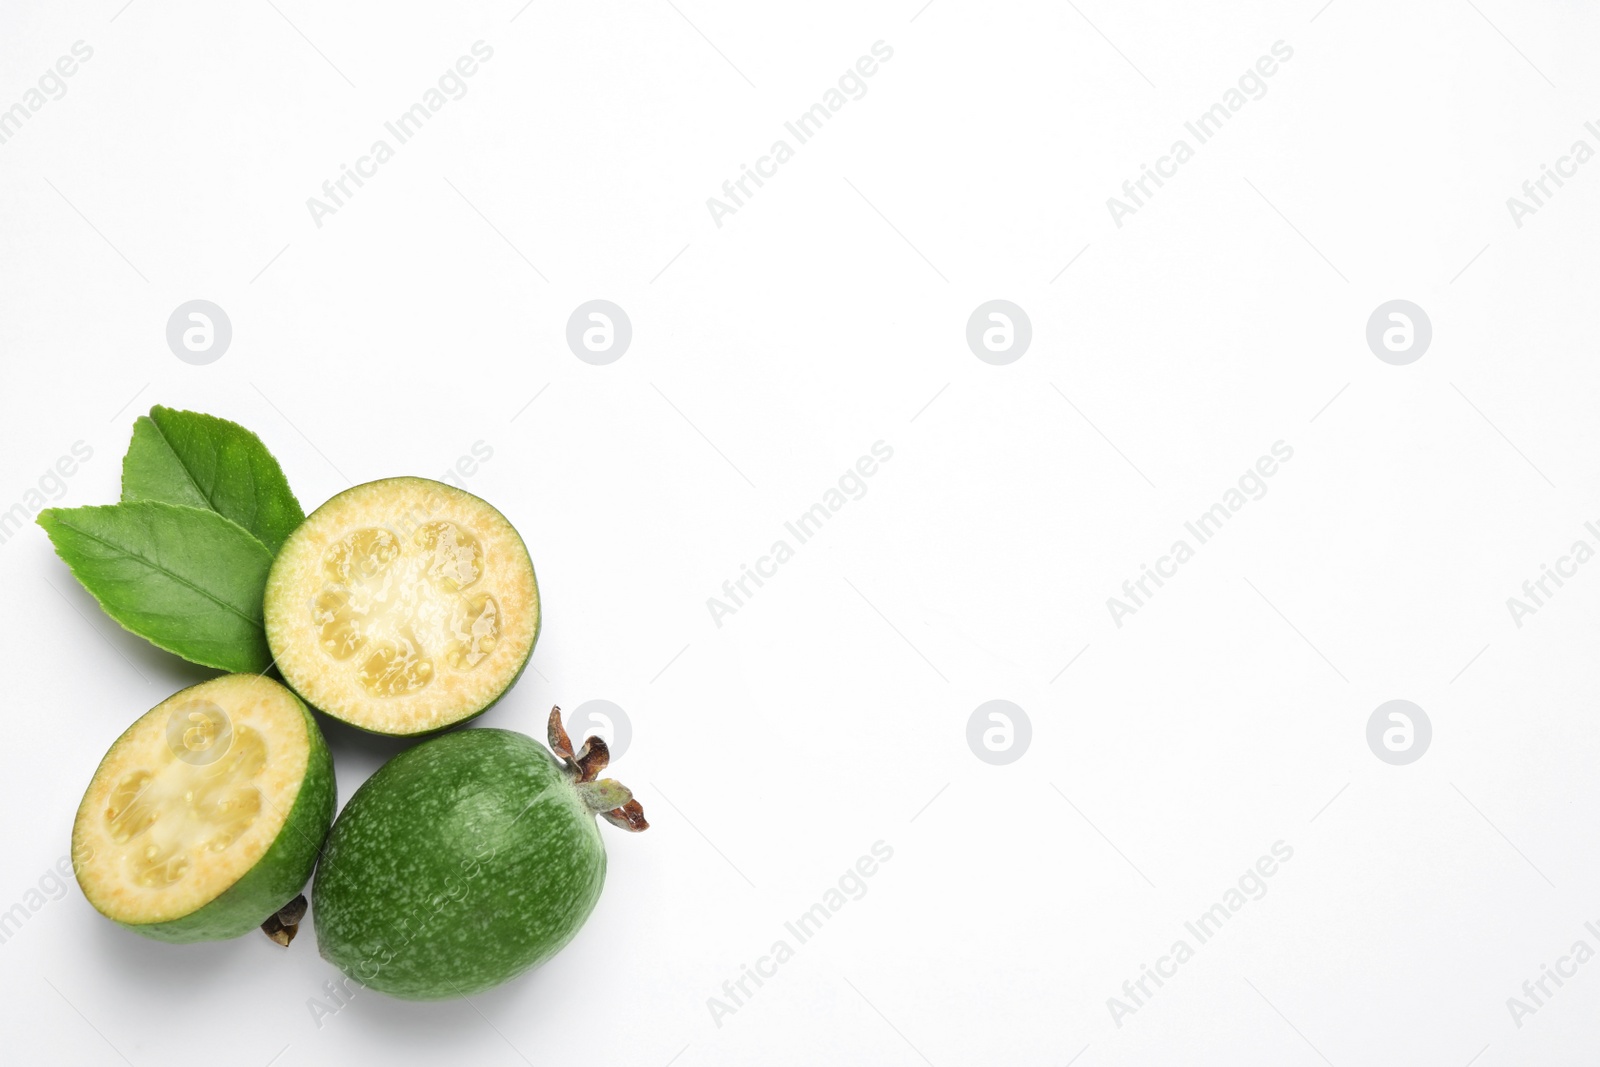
[402, 606]
[205, 817]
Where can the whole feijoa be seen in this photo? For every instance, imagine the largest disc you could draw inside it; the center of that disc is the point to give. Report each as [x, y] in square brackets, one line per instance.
[204, 818]
[466, 860]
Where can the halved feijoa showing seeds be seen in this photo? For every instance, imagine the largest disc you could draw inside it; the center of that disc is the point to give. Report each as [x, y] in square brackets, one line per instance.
[402, 606]
[208, 813]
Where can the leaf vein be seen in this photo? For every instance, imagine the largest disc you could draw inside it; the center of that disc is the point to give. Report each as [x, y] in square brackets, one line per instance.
[183, 465]
[180, 579]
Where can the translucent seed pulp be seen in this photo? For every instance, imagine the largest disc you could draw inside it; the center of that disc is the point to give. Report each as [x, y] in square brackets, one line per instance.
[474, 629]
[457, 559]
[393, 606]
[159, 818]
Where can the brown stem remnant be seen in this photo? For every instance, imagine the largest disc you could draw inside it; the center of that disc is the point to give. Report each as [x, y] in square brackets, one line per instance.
[591, 759]
[584, 766]
[629, 817]
[560, 743]
[283, 924]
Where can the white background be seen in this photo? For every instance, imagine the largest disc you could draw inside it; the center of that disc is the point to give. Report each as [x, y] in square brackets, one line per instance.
[768, 354]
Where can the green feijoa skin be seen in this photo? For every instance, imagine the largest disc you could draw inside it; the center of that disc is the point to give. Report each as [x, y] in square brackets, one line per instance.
[466, 860]
[204, 818]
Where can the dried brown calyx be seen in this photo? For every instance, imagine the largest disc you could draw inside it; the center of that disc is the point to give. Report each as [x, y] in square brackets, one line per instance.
[282, 925]
[606, 797]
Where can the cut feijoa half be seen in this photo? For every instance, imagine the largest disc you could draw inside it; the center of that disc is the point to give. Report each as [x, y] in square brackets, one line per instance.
[466, 860]
[402, 606]
[207, 814]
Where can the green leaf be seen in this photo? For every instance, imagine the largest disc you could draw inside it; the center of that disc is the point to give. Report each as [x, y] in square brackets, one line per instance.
[184, 579]
[201, 461]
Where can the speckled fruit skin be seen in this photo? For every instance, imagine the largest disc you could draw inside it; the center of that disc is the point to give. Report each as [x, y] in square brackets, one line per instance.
[279, 875]
[459, 865]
